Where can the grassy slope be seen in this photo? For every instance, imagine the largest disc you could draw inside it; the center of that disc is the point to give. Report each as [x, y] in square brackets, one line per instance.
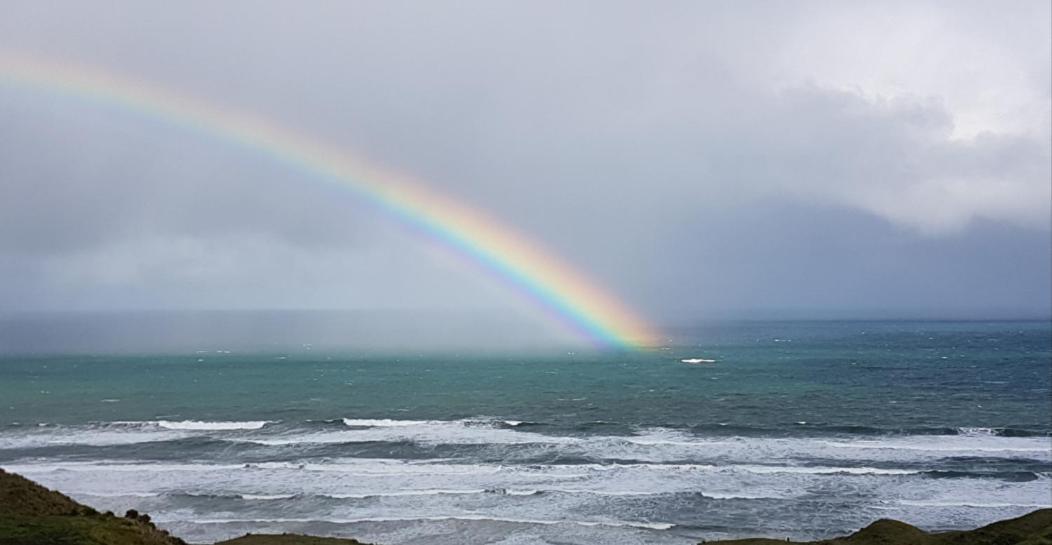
[33, 515]
[1032, 529]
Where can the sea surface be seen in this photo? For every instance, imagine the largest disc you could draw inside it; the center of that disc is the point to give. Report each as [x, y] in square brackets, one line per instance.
[799, 429]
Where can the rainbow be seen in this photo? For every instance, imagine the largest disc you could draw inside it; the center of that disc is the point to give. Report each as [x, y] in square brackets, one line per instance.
[563, 294]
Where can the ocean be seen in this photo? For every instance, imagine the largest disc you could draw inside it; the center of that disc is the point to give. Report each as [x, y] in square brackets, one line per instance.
[799, 429]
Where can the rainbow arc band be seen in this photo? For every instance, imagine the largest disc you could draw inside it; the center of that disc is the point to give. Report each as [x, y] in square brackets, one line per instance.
[565, 295]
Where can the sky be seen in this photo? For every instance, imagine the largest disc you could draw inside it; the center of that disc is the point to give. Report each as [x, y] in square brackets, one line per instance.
[698, 160]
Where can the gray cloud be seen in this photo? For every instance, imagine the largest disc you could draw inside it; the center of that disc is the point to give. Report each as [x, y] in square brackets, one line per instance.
[661, 149]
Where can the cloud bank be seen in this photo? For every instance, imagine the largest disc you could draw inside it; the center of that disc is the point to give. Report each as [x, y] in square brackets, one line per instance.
[693, 158]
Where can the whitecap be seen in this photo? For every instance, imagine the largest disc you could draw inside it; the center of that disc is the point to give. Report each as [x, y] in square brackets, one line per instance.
[978, 505]
[200, 425]
[267, 496]
[386, 422]
[438, 518]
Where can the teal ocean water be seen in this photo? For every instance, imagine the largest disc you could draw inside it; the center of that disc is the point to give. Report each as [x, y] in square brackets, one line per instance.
[800, 429]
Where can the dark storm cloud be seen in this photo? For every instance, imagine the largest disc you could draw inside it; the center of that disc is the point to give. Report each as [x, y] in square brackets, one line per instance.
[664, 150]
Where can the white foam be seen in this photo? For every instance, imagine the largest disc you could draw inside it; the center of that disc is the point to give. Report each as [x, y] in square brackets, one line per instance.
[812, 470]
[647, 445]
[724, 496]
[979, 505]
[977, 432]
[163, 518]
[47, 437]
[362, 478]
[115, 466]
[118, 494]
[460, 432]
[388, 423]
[513, 492]
[199, 425]
[377, 467]
[406, 493]
[939, 444]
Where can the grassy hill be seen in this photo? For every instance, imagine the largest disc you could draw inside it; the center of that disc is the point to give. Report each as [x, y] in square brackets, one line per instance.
[33, 515]
[1032, 529]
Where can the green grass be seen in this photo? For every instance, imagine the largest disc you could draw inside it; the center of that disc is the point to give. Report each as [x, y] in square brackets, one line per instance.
[79, 530]
[33, 515]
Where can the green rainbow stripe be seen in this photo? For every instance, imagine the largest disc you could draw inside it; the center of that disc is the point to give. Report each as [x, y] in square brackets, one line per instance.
[561, 292]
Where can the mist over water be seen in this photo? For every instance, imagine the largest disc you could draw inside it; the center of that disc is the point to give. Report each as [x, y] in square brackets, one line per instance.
[254, 331]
